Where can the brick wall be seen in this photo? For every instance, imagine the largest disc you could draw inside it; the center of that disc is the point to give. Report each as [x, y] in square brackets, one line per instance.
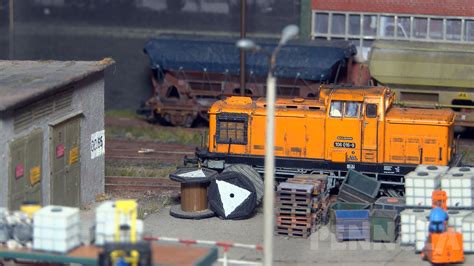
[425, 7]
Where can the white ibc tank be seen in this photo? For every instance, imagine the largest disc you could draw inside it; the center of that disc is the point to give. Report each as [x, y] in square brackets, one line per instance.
[105, 224]
[408, 224]
[438, 169]
[421, 232]
[56, 228]
[468, 233]
[463, 170]
[460, 189]
[419, 186]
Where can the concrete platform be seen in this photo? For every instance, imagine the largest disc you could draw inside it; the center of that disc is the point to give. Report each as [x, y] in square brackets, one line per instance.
[321, 248]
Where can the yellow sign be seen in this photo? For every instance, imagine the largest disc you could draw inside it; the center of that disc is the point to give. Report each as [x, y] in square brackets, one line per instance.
[463, 95]
[35, 175]
[73, 155]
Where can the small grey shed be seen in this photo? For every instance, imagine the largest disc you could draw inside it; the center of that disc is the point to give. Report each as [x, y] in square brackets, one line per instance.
[52, 139]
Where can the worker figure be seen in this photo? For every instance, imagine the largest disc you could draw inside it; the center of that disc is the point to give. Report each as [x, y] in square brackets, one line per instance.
[438, 219]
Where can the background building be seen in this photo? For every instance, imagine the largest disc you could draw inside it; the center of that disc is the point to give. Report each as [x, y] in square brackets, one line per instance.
[363, 21]
[51, 131]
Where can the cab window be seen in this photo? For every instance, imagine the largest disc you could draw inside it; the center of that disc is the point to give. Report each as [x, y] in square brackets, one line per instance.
[352, 109]
[336, 109]
[371, 111]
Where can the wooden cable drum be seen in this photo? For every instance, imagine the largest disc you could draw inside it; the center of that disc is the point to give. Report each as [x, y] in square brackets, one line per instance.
[194, 184]
[194, 197]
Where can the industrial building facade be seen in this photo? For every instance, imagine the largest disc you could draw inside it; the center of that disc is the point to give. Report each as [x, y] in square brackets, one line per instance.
[52, 138]
[364, 21]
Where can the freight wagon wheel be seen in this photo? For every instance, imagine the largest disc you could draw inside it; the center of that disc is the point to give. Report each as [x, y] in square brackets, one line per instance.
[250, 173]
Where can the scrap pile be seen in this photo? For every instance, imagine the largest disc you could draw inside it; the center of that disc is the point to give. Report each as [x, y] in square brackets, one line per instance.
[300, 205]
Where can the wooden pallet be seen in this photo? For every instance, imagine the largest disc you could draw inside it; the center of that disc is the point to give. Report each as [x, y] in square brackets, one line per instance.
[295, 224]
[298, 189]
[296, 204]
[294, 210]
[291, 199]
[293, 219]
[293, 232]
[287, 196]
[293, 214]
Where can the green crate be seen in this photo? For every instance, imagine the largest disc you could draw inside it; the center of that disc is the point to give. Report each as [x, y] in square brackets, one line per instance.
[384, 225]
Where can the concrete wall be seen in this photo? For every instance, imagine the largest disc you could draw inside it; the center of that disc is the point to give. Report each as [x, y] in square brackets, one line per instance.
[88, 99]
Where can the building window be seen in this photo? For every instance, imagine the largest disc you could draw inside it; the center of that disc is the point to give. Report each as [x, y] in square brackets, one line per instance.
[469, 31]
[420, 27]
[338, 24]
[321, 23]
[231, 128]
[436, 29]
[403, 27]
[354, 24]
[387, 26]
[453, 29]
[370, 25]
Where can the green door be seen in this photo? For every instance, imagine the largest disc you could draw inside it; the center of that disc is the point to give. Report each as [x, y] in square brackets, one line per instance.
[25, 171]
[65, 163]
[17, 176]
[34, 152]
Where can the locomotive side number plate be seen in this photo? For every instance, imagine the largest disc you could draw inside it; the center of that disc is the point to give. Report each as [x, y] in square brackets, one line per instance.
[340, 144]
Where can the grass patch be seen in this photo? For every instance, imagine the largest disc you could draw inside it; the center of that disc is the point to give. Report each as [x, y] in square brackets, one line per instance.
[150, 205]
[117, 168]
[158, 134]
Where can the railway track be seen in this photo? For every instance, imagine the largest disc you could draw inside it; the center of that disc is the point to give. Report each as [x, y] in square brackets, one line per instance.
[155, 184]
[142, 151]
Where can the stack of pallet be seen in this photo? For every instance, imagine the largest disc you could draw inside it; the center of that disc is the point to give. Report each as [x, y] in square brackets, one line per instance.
[293, 209]
[302, 205]
[320, 199]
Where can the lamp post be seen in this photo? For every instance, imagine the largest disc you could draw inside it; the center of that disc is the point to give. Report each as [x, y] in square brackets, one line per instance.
[289, 32]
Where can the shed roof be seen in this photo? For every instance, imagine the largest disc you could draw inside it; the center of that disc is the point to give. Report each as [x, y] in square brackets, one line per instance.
[24, 81]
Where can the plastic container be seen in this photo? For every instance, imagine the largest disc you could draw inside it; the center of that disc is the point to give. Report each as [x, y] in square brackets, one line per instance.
[422, 226]
[460, 189]
[358, 188]
[384, 225]
[461, 170]
[344, 206]
[419, 186]
[56, 229]
[408, 224]
[105, 224]
[390, 203]
[352, 225]
[432, 168]
[468, 233]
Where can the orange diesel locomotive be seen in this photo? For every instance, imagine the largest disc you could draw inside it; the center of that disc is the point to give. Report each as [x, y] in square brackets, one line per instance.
[347, 128]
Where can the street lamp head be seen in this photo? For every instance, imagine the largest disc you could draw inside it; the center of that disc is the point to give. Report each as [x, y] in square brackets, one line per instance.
[247, 44]
[288, 33]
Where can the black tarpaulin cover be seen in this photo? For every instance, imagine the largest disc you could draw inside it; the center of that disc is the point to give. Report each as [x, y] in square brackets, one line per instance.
[232, 195]
[309, 60]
